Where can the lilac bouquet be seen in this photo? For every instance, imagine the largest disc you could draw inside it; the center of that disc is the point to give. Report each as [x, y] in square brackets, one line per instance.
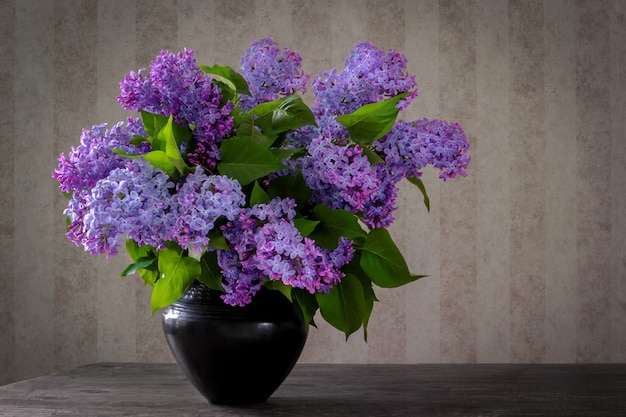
[230, 179]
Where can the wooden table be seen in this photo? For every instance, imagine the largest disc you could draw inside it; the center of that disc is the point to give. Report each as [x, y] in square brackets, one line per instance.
[154, 390]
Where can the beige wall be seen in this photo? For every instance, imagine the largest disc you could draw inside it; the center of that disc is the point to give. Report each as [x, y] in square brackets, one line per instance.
[526, 256]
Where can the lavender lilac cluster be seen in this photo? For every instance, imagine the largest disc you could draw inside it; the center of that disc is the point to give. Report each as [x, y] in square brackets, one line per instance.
[370, 75]
[266, 244]
[133, 201]
[410, 146]
[199, 203]
[271, 72]
[112, 196]
[339, 176]
[176, 86]
[81, 170]
[336, 170]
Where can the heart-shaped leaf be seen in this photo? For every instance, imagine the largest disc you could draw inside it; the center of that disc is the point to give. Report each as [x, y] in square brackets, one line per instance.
[305, 226]
[211, 273]
[247, 161]
[292, 186]
[372, 121]
[333, 225]
[343, 307]
[258, 195]
[228, 76]
[177, 273]
[383, 262]
[284, 114]
[167, 136]
[420, 185]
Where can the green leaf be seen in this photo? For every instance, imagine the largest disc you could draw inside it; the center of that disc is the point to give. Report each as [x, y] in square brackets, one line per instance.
[153, 123]
[160, 160]
[125, 154]
[177, 273]
[247, 161]
[343, 307]
[228, 76]
[167, 136]
[217, 241]
[368, 301]
[282, 154]
[148, 273]
[280, 287]
[141, 263]
[290, 186]
[333, 225]
[211, 273]
[307, 304]
[382, 261]
[149, 277]
[258, 195]
[372, 121]
[372, 157]
[135, 251]
[137, 140]
[132, 248]
[420, 185]
[305, 226]
[247, 130]
[284, 114]
[369, 297]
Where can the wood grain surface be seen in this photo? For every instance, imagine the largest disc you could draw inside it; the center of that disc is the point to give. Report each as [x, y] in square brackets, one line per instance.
[462, 390]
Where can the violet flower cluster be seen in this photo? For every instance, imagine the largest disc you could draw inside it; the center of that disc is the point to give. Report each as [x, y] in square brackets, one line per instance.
[266, 244]
[132, 201]
[199, 203]
[340, 176]
[81, 170]
[336, 170]
[176, 86]
[272, 72]
[409, 147]
[370, 75]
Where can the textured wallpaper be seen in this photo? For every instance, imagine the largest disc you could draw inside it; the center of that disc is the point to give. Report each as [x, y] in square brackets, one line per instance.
[525, 257]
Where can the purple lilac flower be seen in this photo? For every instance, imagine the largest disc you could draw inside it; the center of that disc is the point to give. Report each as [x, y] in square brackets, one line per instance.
[80, 170]
[132, 201]
[271, 72]
[241, 281]
[266, 244]
[199, 202]
[343, 178]
[370, 75]
[409, 147]
[176, 86]
[94, 159]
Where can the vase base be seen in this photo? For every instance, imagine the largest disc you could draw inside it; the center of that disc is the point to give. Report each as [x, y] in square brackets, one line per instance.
[236, 359]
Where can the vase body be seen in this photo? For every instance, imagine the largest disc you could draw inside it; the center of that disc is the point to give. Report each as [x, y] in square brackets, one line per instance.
[234, 355]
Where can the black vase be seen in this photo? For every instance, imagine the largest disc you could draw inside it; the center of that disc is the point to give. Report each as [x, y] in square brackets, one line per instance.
[234, 355]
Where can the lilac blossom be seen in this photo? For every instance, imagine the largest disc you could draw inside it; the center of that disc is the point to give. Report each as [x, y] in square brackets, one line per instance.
[370, 75]
[176, 86]
[339, 176]
[343, 178]
[94, 158]
[133, 201]
[199, 202]
[410, 146]
[267, 245]
[271, 73]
